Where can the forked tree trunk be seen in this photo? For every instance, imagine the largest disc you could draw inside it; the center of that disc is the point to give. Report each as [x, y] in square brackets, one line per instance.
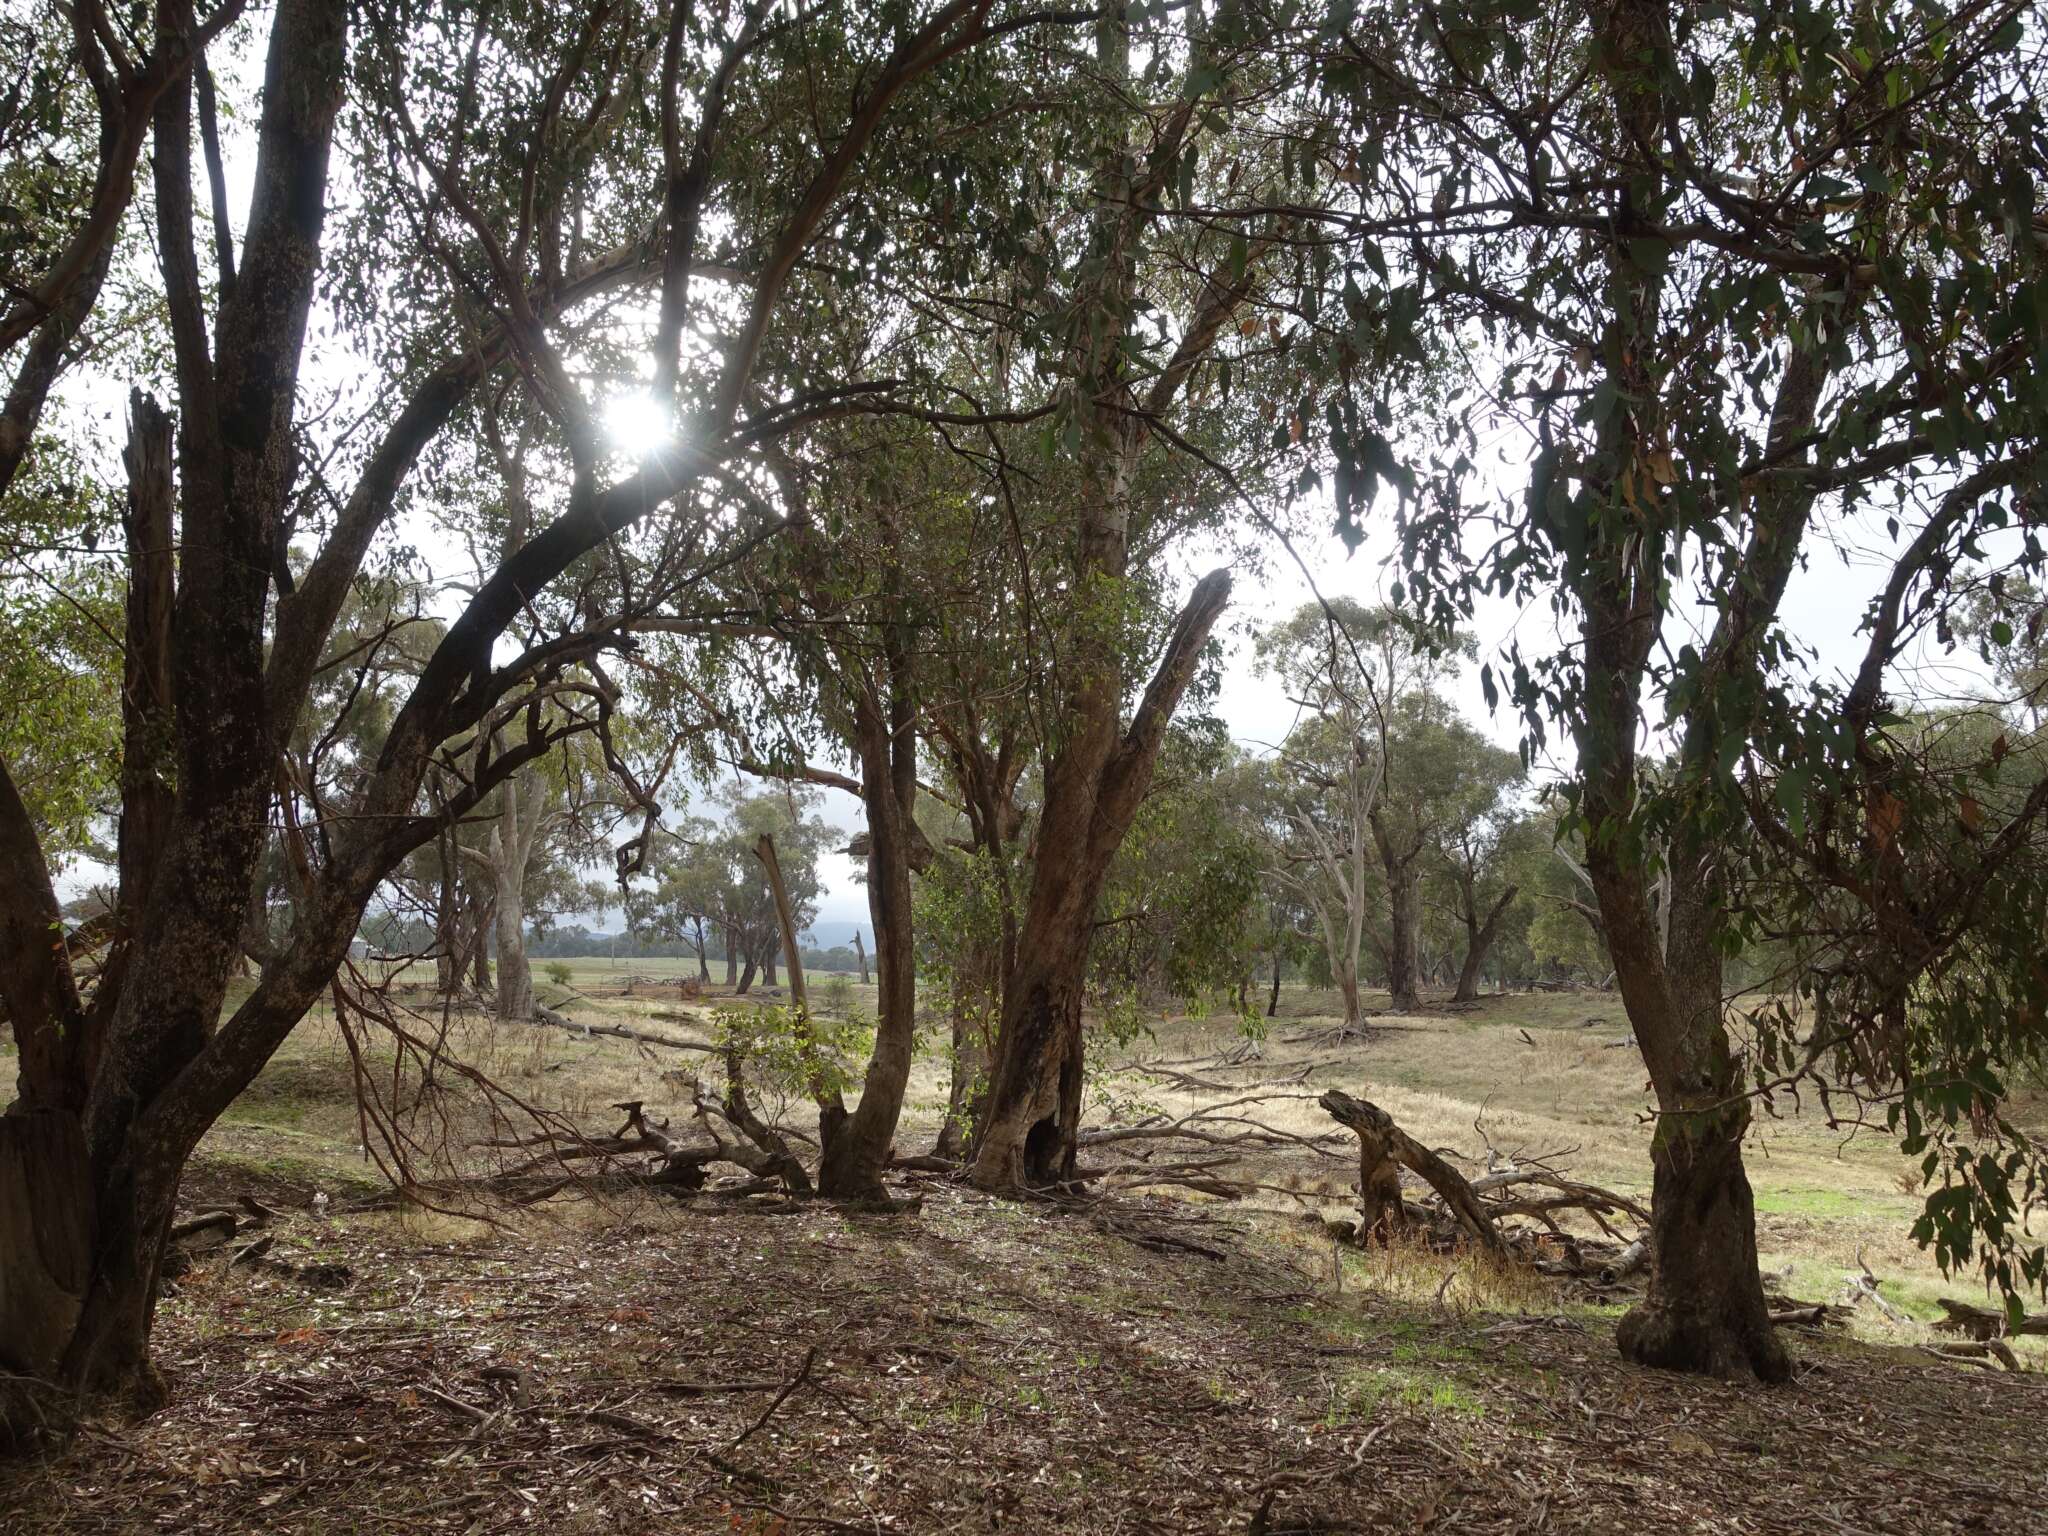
[1100, 770]
[1479, 938]
[1092, 792]
[1705, 1309]
[703, 964]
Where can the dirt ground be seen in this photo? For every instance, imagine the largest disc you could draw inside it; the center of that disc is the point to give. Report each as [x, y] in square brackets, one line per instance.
[978, 1366]
[1158, 1362]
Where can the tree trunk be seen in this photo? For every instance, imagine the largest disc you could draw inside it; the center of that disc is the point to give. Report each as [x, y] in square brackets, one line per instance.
[1092, 791]
[447, 926]
[703, 965]
[1347, 984]
[746, 977]
[1705, 1311]
[856, 1150]
[46, 1235]
[1273, 1002]
[515, 975]
[732, 958]
[1404, 944]
[861, 953]
[768, 969]
[975, 1006]
[1479, 937]
[480, 946]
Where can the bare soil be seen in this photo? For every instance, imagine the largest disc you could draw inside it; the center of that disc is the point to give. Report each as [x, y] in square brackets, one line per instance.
[978, 1366]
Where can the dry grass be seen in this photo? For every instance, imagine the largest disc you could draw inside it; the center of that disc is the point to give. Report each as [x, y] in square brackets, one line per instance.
[986, 1366]
[1528, 1074]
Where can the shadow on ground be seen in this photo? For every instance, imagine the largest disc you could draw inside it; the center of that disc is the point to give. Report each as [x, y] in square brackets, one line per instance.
[976, 1366]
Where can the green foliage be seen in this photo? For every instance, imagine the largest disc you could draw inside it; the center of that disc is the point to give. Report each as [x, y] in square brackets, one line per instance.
[1177, 916]
[1754, 280]
[559, 972]
[787, 1051]
[837, 996]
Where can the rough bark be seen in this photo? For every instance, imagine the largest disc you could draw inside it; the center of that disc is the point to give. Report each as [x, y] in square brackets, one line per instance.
[1382, 1144]
[46, 1231]
[857, 1150]
[1034, 1099]
[1705, 1311]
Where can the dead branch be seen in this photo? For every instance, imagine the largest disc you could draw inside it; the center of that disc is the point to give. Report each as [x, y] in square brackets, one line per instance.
[621, 1031]
[803, 1375]
[1862, 1287]
[1979, 1352]
[1382, 1140]
[1981, 1323]
[763, 1152]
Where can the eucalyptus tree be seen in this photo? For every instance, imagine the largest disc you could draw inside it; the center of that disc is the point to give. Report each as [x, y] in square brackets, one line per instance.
[1733, 282]
[1364, 783]
[505, 194]
[1318, 841]
[1473, 844]
[1442, 779]
[1149, 297]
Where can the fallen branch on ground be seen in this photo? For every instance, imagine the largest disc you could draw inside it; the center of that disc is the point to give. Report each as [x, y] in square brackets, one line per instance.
[1382, 1143]
[1983, 1323]
[556, 1020]
[1981, 1352]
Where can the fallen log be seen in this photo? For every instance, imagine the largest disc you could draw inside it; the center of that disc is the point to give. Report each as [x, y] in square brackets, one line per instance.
[1625, 1263]
[618, 1031]
[1981, 1323]
[1381, 1144]
[1979, 1352]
